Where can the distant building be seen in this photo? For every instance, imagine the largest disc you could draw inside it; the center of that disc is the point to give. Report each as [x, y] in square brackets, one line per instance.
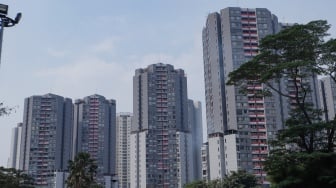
[327, 88]
[14, 155]
[196, 130]
[94, 132]
[123, 130]
[160, 135]
[46, 137]
[60, 178]
[205, 161]
[240, 125]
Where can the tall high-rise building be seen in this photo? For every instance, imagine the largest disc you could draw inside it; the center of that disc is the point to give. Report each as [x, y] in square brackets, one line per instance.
[46, 137]
[240, 125]
[94, 132]
[160, 134]
[327, 88]
[14, 155]
[196, 131]
[124, 122]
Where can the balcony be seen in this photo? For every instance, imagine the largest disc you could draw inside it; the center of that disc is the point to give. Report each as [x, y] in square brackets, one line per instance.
[258, 144]
[256, 159]
[259, 137]
[256, 115]
[260, 152]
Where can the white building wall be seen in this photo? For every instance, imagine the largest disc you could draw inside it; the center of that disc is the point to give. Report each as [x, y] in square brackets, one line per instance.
[138, 173]
[133, 160]
[230, 149]
[216, 159]
[59, 179]
[142, 160]
[205, 161]
[328, 93]
[124, 122]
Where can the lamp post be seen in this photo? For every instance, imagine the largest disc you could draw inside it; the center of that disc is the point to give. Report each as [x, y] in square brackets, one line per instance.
[6, 21]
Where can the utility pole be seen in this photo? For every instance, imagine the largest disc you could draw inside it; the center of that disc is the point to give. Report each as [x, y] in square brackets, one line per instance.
[6, 22]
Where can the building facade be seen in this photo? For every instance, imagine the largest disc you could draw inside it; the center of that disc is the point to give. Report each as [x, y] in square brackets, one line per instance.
[46, 137]
[196, 131]
[328, 100]
[94, 132]
[205, 161]
[14, 155]
[240, 125]
[160, 134]
[123, 130]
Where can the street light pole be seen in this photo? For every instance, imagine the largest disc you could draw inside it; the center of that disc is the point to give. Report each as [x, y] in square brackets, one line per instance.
[6, 22]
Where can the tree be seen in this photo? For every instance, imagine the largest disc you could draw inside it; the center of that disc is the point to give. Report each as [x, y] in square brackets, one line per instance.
[239, 179]
[197, 184]
[12, 178]
[82, 171]
[303, 154]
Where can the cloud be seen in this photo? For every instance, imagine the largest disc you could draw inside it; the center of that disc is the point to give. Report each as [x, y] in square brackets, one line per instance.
[105, 46]
[56, 53]
[90, 73]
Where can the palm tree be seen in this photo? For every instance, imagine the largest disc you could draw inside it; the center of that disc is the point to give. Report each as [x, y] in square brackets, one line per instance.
[81, 171]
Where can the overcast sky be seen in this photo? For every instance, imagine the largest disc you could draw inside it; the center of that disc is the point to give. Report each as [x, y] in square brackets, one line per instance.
[80, 47]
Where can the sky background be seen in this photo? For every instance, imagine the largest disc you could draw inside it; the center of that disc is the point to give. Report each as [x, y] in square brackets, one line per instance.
[80, 47]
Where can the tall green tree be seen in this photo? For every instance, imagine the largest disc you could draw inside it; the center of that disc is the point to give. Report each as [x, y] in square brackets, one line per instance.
[82, 171]
[303, 154]
[12, 178]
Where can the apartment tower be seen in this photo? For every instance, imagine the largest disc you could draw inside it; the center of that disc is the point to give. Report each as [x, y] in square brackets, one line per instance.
[94, 132]
[327, 88]
[160, 134]
[14, 155]
[240, 125]
[196, 131]
[123, 130]
[46, 137]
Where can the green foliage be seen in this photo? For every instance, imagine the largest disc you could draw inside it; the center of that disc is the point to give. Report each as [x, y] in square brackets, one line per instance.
[197, 184]
[82, 171]
[96, 186]
[303, 154]
[300, 169]
[12, 178]
[240, 179]
[297, 52]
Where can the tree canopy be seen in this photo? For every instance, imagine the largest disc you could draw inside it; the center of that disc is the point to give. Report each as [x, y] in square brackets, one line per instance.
[239, 179]
[303, 154]
[12, 178]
